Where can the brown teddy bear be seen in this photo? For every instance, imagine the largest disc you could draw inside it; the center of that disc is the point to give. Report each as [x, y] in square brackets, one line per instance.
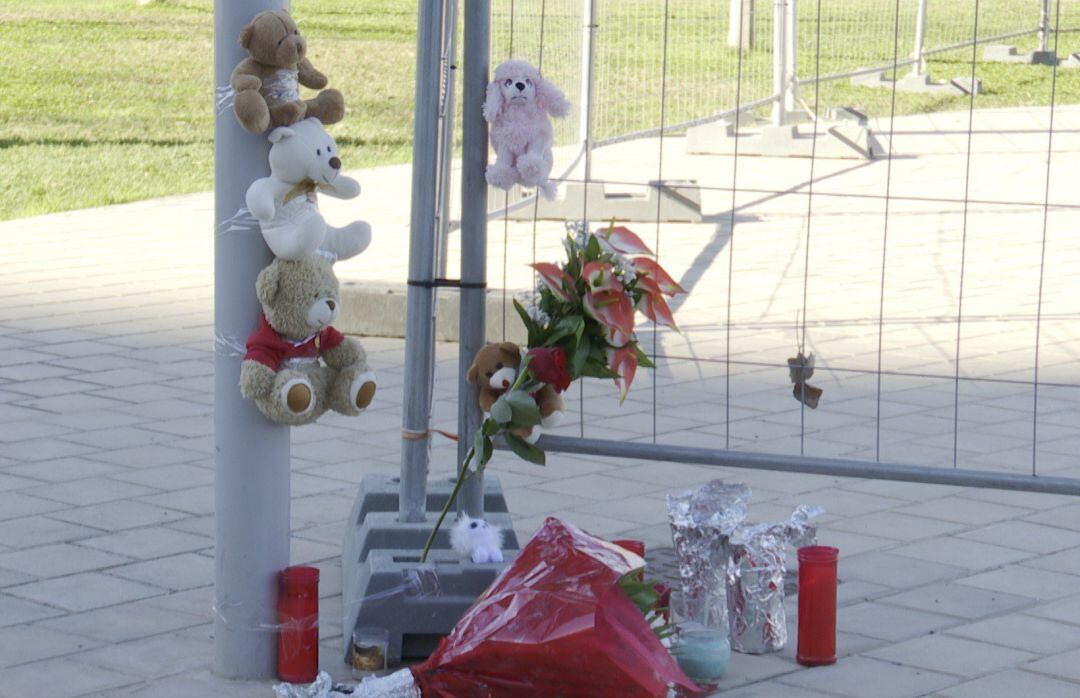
[495, 368]
[267, 81]
[282, 371]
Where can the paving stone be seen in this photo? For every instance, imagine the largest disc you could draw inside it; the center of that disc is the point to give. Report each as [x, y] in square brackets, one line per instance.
[15, 504]
[1062, 517]
[1040, 584]
[91, 490]
[147, 543]
[117, 516]
[65, 678]
[1061, 666]
[852, 677]
[145, 456]
[45, 449]
[1063, 610]
[168, 477]
[30, 429]
[895, 570]
[82, 592]
[1012, 683]
[153, 658]
[1024, 535]
[964, 511]
[16, 611]
[961, 553]
[190, 685]
[597, 487]
[1024, 632]
[951, 655]
[48, 387]
[957, 600]
[122, 437]
[175, 572]
[196, 500]
[58, 560]
[897, 526]
[892, 623]
[130, 621]
[30, 643]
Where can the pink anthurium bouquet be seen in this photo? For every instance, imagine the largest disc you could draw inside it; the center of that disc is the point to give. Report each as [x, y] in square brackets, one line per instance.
[581, 325]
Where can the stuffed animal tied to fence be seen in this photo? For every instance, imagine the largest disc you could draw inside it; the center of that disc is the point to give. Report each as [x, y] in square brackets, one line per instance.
[303, 162]
[494, 370]
[518, 105]
[267, 82]
[297, 365]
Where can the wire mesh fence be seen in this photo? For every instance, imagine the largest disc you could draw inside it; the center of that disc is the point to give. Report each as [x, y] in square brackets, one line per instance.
[933, 285]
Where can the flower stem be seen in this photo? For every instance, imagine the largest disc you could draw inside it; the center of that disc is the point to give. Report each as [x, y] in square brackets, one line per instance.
[462, 476]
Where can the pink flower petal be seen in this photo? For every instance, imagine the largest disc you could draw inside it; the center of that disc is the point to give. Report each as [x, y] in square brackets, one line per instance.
[601, 277]
[649, 268]
[654, 307]
[557, 280]
[622, 240]
[615, 312]
[624, 362]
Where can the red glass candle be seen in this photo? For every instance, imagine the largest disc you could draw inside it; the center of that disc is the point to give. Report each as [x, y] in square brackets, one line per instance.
[298, 616]
[817, 605]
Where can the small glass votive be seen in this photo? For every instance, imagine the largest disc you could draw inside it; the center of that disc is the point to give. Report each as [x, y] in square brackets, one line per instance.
[701, 644]
[369, 647]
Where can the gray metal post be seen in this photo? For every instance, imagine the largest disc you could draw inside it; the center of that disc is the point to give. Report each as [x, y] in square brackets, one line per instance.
[780, 78]
[474, 157]
[741, 10]
[446, 131]
[1044, 26]
[251, 483]
[791, 47]
[919, 54]
[585, 108]
[419, 321]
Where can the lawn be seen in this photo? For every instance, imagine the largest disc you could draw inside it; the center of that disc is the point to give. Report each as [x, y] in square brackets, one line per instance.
[103, 101]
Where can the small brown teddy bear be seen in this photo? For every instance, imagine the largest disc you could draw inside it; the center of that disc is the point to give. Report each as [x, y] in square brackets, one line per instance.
[494, 370]
[281, 370]
[267, 81]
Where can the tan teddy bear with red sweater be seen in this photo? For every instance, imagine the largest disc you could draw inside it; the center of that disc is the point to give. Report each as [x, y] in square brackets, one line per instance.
[494, 370]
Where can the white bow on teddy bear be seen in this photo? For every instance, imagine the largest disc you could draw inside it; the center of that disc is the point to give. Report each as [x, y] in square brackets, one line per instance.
[517, 106]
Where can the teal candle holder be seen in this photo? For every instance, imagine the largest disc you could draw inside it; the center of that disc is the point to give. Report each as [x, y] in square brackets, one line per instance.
[701, 643]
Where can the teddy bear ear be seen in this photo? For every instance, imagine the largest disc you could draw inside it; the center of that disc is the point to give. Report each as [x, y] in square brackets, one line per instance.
[510, 347]
[473, 374]
[247, 34]
[280, 133]
[268, 283]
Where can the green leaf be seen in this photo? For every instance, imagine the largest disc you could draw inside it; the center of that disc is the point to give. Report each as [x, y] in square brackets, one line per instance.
[490, 427]
[643, 359]
[592, 250]
[501, 411]
[525, 412]
[524, 450]
[531, 327]
[580, 357]
[482, 449]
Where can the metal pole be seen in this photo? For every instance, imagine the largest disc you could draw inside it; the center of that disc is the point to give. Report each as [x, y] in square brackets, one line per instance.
[474, 157]
[791, 36]
[780, 80]
[446, 136]
[741, 10]
[251, 482]
[808, 466]
[1044, 26]
[919, 54]
[585, 110]
[419, 323]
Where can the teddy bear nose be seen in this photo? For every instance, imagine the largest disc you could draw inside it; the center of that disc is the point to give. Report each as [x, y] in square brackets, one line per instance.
[335, 163]
[520, 86]
[331, 303]
[506, 383]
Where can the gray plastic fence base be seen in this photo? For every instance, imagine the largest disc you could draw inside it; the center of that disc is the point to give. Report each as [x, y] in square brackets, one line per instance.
[1004, 53]
[1072, 61]
[845, 140]
[912, 82]
[679, 202]
[379, 550]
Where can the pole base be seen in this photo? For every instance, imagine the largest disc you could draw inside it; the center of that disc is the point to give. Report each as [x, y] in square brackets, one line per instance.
[1004, 53]
[919, 83]
[379, 551]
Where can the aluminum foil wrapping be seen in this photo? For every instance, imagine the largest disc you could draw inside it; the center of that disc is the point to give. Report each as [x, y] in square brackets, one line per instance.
[702, 520]
[755, 580]
[322, 687]
[400, 684]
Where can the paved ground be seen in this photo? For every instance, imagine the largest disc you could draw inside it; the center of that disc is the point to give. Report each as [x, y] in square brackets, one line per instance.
[106, 479]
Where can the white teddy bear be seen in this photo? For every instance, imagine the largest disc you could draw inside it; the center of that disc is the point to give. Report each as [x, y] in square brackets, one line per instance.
[303, 161]
[477, 540]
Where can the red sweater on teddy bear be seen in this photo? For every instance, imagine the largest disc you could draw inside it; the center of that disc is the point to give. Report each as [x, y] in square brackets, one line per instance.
[271, 349]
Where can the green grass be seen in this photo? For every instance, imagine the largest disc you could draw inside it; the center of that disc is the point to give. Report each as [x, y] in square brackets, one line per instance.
[102, 101]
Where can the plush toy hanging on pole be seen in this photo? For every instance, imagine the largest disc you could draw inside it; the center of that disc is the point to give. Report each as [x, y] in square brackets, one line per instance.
[267, 82]
[304, 161]
[518, 104]
[281, 370]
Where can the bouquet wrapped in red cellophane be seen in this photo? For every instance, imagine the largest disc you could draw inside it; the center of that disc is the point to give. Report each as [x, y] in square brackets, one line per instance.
[555, 623]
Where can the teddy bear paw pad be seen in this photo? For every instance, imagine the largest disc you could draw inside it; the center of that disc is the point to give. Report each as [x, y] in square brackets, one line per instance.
[364, 388]
[298, 396]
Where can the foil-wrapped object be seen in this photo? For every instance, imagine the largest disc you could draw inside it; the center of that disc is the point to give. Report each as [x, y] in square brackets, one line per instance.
[322, 687]
[755, 579]
[702, 520]
[400, 684]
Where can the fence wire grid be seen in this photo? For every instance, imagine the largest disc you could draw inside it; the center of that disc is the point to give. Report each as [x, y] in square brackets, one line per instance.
[934, 284]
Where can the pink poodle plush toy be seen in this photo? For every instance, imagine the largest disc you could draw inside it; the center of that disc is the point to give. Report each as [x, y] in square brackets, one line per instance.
[517, 107]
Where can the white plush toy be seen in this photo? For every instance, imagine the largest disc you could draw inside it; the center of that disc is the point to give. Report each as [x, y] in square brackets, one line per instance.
[477, 540]
[304, 161]
[517, 106]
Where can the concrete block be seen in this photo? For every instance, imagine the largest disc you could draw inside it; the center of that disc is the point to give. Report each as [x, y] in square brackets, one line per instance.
[379, 552]
[1004, 53]
[677, 201]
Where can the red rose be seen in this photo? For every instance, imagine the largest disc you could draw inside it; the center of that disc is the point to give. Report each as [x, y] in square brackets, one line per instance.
[548, 364]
